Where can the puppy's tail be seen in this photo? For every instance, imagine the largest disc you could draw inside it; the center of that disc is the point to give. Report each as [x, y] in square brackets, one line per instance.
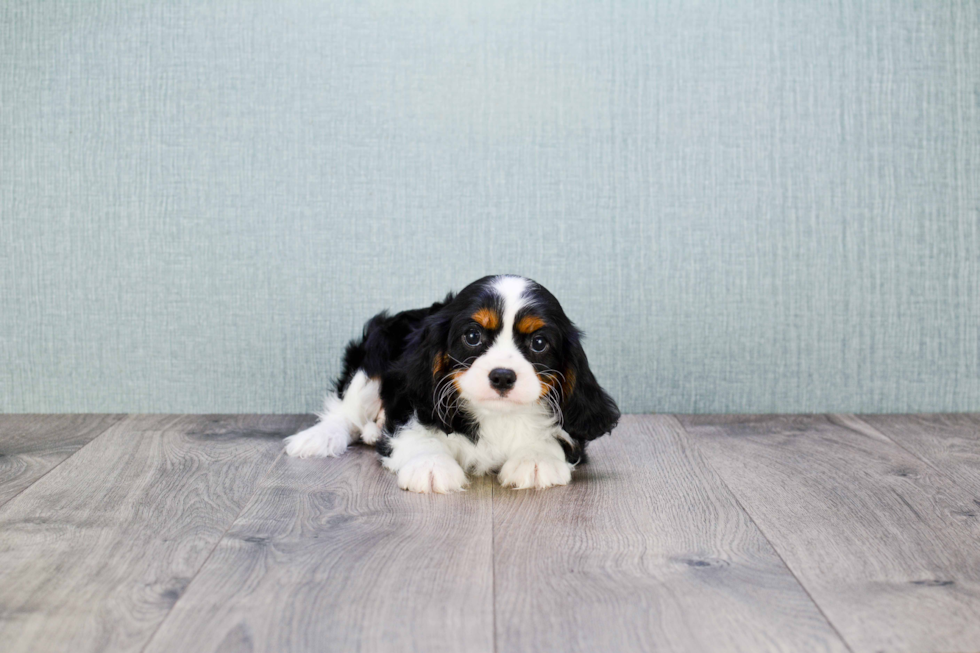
[342, 421]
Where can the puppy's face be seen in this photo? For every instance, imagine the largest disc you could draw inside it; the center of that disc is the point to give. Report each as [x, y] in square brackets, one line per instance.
[504, 346]
[502, 343]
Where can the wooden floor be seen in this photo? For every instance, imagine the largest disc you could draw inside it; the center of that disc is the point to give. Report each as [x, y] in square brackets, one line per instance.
[683, 533]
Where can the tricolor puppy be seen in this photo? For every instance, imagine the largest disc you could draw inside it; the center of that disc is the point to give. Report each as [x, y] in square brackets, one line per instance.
[491, 379]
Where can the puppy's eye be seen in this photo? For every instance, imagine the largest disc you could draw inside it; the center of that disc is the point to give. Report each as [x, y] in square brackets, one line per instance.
[538, 344]
[473, 337]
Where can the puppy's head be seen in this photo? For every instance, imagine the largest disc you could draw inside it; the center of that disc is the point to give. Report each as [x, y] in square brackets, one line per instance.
[504, 343]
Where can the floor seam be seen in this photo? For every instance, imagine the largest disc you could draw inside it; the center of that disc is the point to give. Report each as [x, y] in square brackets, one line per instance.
[214, 548]
[493, 562]
[772, 546]
[61, 462]
[915, 455]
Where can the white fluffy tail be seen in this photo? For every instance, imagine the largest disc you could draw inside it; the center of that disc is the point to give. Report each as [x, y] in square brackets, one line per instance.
[342, 421]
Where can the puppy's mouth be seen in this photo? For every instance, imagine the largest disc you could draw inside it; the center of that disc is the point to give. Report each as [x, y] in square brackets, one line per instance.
[504, 400]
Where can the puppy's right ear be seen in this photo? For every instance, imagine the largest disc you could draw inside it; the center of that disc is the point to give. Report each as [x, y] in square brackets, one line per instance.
[428, 369]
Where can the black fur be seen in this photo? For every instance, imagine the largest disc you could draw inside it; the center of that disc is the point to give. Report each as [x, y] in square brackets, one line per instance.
[415, 352]
[382, 343]
[589, 411]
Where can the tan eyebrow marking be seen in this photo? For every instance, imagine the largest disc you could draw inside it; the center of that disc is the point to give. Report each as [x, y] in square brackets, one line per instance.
[487, 318]
[530, 324]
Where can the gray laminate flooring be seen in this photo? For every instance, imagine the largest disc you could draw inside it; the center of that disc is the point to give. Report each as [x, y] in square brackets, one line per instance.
[682, 533]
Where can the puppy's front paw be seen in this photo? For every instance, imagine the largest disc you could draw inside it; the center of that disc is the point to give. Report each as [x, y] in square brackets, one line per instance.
[526, 473]
[432, 473]
[318, 441]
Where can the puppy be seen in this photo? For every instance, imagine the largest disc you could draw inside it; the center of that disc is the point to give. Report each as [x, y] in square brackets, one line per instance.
[491, 379]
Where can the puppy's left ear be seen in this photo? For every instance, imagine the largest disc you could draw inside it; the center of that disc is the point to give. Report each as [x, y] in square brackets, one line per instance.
[588, 410]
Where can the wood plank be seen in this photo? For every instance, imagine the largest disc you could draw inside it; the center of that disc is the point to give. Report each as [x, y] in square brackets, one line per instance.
[33, 445]
[645, 550]
[884, 543]
[950, 442]
[331, 556]
[94, 554]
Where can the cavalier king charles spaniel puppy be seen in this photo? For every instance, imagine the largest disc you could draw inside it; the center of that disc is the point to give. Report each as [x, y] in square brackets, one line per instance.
[491, 379]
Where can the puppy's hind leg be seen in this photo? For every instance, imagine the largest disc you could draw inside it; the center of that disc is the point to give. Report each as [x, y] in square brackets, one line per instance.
[371, 431]
[341, 421]
[328, 437]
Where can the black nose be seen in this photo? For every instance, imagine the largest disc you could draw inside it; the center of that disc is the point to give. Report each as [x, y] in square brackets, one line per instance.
[502, 379]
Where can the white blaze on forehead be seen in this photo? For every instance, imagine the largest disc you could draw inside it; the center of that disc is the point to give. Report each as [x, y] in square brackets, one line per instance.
[511, 291]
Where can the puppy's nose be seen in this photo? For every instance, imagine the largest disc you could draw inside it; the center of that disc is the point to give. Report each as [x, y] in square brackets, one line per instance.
[502, 379]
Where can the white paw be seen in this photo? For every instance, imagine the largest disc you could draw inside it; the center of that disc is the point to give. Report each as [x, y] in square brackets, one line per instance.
[370, 433]
[432, 473]
[526, 473]
[318, 441]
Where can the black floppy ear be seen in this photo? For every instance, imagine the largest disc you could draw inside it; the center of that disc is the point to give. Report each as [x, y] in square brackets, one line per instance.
[427, 369]
[408, 387]
[588, 410]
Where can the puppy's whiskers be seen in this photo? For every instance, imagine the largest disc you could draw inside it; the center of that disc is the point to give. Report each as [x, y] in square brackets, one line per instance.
[462, 363]
[549, 371]
[553, 394]
[440, 396]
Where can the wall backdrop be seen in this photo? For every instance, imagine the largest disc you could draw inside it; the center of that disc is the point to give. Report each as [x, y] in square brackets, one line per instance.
[748, 206]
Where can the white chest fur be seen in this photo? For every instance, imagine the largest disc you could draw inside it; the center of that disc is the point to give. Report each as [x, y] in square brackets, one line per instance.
[523, 431]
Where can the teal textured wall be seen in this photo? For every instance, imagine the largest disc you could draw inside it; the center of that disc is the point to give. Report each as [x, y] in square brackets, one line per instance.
[748, 206]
